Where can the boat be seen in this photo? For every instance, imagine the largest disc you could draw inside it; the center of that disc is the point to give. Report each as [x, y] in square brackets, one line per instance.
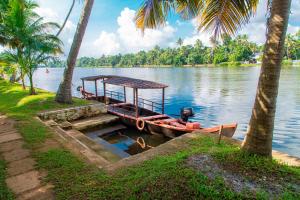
[144, 114]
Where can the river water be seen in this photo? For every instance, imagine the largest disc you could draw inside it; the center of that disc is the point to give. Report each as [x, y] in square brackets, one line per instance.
[218, 95]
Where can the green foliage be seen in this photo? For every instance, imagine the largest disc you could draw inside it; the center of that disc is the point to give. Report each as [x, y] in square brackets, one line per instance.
[232, 50]
[27, 38]
[292, 46]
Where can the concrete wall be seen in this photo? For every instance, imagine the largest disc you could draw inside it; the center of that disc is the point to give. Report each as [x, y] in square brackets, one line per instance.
[74, 113]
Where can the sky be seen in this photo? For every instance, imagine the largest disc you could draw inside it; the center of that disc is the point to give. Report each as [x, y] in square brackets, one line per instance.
[111, 29]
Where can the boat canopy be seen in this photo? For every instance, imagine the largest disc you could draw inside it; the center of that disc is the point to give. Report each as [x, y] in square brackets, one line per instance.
[95, 78]
[134, 83]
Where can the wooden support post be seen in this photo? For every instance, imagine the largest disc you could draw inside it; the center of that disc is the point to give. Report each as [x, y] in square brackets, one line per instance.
[96, 89]
[136, 103]
[124, 94]
[104, 90]
[82, 92]
[163, 101]
[133, 96]
[83, 85]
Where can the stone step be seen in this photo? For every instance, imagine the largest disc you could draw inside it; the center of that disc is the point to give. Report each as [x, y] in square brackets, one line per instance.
[24, 182]
[20, 166]
[9, 137]
[94, 121]
[16, 154]
[40, 193]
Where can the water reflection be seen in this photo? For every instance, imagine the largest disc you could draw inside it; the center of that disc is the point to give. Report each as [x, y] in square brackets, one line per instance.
[218, 95]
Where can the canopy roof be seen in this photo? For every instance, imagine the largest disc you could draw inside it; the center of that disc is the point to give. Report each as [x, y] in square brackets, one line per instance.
[134, 83]
[95, 78]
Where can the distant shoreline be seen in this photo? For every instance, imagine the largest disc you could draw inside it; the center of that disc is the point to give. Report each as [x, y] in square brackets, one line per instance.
[227, 64]
[169, 66]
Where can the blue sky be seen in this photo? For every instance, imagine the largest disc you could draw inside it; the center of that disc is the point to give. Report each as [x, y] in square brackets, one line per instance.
[111, 29]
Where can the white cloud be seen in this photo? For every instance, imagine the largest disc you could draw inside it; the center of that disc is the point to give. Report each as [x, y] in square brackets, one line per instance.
[129, 39]
[203, 36]
[47, 13]
[51, 14]
[107, 43]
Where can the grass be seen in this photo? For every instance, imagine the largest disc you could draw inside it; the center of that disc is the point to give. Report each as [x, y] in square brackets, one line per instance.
[5, 193]
[16, 103]
[164, 177]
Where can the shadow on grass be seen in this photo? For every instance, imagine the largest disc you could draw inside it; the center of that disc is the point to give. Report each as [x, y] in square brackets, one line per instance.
[16, 103]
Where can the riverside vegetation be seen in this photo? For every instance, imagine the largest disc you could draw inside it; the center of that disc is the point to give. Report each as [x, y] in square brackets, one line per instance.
[232, 51]
[164, 177]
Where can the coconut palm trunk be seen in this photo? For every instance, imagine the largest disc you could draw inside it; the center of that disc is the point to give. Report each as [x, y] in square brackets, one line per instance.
[64, 93]
[260, 131]
[31, 89]
[66, 19]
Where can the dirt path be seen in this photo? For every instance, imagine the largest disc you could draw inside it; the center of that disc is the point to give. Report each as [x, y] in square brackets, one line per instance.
[22, 177]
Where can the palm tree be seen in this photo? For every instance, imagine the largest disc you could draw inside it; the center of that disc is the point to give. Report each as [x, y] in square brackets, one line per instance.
[225, 17]
[66, 19]
[27, 39]
[14, 14]
[260, 131]
[179, 42]
[64, 93]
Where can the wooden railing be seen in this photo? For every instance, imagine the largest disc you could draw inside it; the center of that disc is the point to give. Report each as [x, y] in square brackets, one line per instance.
[115, 95]
[143, 103]
[154, 106]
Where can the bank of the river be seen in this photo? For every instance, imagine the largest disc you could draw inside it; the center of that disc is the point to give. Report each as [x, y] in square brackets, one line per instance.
[202, 170]
[169, 66]
[225, 64]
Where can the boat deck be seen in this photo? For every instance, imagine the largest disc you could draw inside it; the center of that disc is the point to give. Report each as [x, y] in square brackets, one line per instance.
[128, 111]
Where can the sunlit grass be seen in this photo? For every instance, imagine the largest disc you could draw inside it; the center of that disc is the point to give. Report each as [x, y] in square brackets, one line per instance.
[16, 103]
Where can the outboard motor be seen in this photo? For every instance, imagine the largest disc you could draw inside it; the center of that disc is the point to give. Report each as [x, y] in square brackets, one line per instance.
[185, 113]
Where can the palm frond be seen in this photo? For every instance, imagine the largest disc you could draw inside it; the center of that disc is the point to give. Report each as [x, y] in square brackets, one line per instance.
[225, 16]
[154, 13]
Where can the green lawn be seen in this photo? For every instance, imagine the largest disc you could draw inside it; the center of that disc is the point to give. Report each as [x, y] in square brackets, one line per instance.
[164, 177]
[5, 193]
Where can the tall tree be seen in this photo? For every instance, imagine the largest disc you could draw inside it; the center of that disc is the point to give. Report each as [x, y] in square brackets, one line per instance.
[225, 17]
[64, 93]
[27, 38]
[260, 132]
[179, 42]
[15, 15]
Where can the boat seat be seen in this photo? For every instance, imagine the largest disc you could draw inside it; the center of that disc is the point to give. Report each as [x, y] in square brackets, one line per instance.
[168, 121]
[177, 125]
[154, 117]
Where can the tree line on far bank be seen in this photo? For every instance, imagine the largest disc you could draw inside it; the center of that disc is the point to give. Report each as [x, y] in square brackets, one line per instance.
[230, 51]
